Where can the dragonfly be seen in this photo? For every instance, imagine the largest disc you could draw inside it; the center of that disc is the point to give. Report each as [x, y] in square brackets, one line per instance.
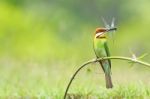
[109, 27]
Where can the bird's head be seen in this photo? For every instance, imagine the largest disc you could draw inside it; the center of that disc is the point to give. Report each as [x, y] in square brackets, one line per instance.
[100, 32]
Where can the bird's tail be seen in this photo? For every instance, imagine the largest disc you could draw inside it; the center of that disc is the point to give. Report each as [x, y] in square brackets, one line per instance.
[108, 81]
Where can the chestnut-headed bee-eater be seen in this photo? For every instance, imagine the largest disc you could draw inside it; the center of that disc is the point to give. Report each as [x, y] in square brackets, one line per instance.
[101, 50]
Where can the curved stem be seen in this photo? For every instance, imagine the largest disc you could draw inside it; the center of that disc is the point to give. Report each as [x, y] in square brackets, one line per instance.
[104, 58]
[125, 58]
[85, 64]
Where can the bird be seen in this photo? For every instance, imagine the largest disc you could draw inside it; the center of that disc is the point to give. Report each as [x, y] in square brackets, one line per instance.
[101, 50]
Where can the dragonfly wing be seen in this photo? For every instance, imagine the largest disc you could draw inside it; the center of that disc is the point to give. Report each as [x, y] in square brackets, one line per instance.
[105, 23]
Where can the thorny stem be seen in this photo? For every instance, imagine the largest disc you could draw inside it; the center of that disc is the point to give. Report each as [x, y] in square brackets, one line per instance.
[104, 58]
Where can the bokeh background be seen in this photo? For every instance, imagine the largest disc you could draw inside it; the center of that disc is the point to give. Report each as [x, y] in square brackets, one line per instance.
[42, 43]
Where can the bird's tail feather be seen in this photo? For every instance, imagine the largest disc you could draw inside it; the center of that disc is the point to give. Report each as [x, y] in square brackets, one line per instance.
[108, 81]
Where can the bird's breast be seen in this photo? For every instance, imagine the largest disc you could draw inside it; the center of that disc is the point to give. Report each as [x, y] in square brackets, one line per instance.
[99, 47]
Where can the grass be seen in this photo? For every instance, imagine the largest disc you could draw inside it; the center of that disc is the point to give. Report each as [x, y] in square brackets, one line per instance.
[48, 81]
[119, 92]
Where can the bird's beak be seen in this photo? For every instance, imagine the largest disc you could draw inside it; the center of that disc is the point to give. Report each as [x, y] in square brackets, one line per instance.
[112, 29]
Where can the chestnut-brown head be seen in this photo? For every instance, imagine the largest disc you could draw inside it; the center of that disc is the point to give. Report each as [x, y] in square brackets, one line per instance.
[100, 32]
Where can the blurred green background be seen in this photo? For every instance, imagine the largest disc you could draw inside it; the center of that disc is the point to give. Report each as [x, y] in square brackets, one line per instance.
[42, 42]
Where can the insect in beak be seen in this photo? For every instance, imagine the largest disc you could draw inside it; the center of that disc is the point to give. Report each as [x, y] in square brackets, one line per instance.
[111, 27]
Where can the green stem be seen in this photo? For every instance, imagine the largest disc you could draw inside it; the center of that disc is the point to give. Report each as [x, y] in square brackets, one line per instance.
[125, 58]
[99, 59]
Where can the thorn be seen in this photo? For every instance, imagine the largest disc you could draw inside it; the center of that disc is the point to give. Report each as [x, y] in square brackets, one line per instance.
[134, 57]
[143, 55]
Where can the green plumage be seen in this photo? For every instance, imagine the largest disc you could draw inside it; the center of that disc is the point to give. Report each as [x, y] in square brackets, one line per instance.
[101, 50]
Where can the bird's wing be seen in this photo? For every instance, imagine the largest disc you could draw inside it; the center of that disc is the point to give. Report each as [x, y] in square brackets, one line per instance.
[107, 52]
[98, 57]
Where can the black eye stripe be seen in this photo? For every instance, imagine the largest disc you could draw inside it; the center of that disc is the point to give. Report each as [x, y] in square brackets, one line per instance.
[101, 37]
